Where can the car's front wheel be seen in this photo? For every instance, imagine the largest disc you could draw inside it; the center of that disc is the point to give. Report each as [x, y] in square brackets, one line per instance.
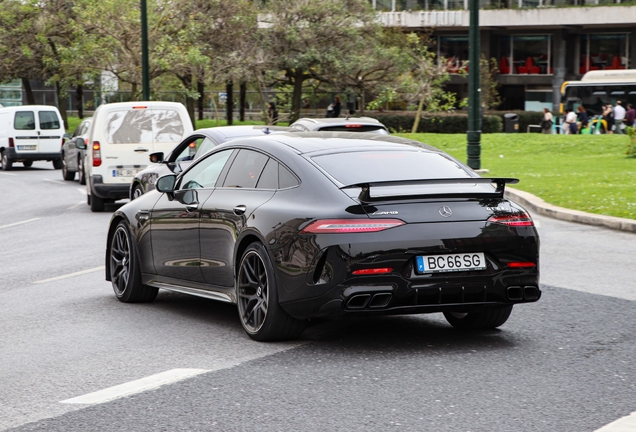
[57, 164]
[125, 272]
[489, 318]
[66, 173]
[257, 294]
[7, 163]
[80, 172]
[137, 191]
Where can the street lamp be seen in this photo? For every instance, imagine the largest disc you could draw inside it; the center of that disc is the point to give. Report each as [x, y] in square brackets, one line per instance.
[145, 73]
[474, 92]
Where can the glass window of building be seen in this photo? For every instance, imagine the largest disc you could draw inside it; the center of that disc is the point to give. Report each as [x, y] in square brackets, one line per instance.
[414, 5]
[603, 52]
[455, 50]
[525, 54]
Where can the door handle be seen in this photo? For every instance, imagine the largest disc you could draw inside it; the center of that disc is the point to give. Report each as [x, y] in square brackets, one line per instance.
[141, 150]
[192, 207]
[239, 210]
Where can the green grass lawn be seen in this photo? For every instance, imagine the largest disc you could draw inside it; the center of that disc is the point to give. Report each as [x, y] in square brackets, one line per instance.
[583, 172]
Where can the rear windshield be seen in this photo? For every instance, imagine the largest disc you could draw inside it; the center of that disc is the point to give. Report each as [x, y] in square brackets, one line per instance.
[376, 166]
[355, 128]
[143, 126]
[24, 120]
[49, 120]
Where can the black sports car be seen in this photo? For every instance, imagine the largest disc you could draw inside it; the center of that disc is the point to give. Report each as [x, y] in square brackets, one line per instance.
[294, 226]
[193, 147]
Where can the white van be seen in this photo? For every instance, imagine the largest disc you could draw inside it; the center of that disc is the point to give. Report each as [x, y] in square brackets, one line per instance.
[121, 137]
[29, 133]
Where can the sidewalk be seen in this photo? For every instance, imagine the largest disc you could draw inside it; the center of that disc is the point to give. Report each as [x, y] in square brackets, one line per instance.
[537, 205]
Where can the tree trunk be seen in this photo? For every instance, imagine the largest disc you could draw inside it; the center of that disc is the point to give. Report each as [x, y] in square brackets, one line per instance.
[186, 80]
[133, 92]
[79, 100]
[229, 103]
[297, 96]
[418, 115]
[200, 89]
[60, 104]
[29, 91]
[242, 97]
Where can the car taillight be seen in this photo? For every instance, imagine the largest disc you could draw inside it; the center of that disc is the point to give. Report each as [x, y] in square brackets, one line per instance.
[350, 125]
[521, 264]
[372, 271]
[515, 219]
[97, 154]
[343, 226]
[11, 142]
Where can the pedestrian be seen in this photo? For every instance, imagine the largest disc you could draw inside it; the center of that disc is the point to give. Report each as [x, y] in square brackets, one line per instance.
[570, 122]
[608, 116]
[546, 123]
[337, 106]
[329, 111]
[630, 116]
[583, 118]
[619, 116]
[272, 114]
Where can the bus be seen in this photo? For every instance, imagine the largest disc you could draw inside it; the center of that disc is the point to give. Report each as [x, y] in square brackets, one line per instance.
[596, 88]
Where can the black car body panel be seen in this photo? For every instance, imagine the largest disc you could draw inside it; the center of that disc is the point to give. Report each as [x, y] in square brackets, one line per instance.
[191, 240]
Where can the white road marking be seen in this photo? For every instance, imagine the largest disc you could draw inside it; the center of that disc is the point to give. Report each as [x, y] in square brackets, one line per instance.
[55, 181]
[70, 275]
[623, 424]
[19, 223]
[133, 387]
[11, 174]
[74, 206]
[82, 191]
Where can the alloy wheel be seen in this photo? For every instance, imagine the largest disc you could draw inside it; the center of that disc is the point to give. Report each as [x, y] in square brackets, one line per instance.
[120, 260]
[253, 292]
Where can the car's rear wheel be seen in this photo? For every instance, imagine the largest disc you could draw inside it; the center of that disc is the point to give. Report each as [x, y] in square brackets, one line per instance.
[489, 318]
[125, 273]
[27, 164]
[257, 294]
[137, 191]
[57, 163]
[97, 203]
[66, 174]
[80, 172]
[7, 163]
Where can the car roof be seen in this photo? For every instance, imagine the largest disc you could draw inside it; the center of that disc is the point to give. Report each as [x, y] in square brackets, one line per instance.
[225, 133]
[340, 120]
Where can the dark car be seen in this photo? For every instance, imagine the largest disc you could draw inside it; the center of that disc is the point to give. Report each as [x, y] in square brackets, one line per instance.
[295, 226]
[345, 124]
[73, 155]
[193, 147]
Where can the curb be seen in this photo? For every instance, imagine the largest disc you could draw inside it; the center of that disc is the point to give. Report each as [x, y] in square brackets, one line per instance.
[539, 206]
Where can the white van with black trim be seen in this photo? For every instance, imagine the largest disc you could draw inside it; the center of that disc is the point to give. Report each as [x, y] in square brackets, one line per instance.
[120, 139]
[30, 133]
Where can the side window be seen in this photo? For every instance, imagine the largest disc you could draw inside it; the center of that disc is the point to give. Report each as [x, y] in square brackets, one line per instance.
[246, 169]
[285, 178]
[24, 120]
[49, 120]
[206, 173]
[269, 177]
[205, 147]
[190, 150]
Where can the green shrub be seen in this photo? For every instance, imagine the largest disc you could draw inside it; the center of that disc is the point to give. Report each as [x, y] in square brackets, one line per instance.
[437, 123]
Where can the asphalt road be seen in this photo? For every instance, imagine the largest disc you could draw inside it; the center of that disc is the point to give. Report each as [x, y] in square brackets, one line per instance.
[565, 363]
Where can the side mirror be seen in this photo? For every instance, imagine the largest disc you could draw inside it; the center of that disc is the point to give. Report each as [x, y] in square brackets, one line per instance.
[156, 157]
[166, 183]
[80, 143]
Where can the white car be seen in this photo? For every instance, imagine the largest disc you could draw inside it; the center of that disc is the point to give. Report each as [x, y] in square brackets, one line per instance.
[120, 139]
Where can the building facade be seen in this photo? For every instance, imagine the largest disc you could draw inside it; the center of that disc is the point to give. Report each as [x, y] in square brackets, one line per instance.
[538, 44]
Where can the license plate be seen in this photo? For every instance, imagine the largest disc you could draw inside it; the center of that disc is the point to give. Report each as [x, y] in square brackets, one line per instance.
[27, 147]
[450, 262]
[125, 172]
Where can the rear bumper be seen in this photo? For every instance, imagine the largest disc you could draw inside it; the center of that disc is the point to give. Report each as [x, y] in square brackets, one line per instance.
[108, 191]
[14, 155]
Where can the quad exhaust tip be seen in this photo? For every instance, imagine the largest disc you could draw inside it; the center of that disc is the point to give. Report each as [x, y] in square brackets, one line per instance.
[517, 293]
[375, 301]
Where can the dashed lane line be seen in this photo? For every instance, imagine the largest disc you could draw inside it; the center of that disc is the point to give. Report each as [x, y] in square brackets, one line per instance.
[82, 191]
[133, 387]
[19, 223]
[55, 181]
[74, 206]
[623, 424]
[9, 174]
[70, 275]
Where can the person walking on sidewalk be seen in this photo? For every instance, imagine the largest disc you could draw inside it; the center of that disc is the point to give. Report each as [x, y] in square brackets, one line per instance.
[619, 116]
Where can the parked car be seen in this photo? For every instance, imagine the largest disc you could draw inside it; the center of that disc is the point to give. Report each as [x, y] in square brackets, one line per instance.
[120, 138]
[345, 124]
[30, 133]
[72, 156]
[295, 226]
[193, 147]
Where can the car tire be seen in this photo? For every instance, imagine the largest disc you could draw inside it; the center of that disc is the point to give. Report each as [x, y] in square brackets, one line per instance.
[137, 192]
[489, 318]
[66, 174]
[80, 172]
[57, 163]
[27, 164]
[125, 272]
[257, 299]
[96, 203]
[6, 163]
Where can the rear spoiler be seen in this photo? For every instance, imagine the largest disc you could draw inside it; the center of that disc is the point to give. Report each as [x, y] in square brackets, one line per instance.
[365, 194]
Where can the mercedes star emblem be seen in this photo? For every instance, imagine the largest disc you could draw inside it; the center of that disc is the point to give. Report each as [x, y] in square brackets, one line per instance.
[445, 211]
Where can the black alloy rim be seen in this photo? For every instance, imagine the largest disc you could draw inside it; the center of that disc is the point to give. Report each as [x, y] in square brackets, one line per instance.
[253, 292]
[120, 260]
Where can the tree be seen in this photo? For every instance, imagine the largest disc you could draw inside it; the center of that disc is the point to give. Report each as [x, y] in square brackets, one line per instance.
[488, 73]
